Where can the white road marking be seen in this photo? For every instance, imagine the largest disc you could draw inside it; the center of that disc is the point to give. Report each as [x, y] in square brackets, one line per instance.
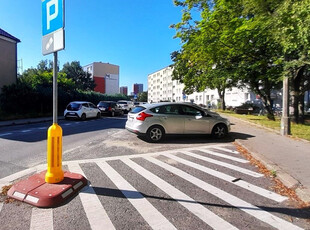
[150, 214]
[224, 156]
[221, 163]
[17, 175]
[227, 150]
[197, 209]
[43, 128]
[41, 219]
[96, 214]
[26, 131]
[5, 134]
[228, 198]
[243, 184]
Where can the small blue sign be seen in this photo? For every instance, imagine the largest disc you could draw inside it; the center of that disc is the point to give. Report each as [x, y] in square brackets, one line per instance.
[52, 16]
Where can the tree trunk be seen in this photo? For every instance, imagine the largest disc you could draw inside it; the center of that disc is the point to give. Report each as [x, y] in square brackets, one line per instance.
[296, 81]
[222, 98]
[268, 107]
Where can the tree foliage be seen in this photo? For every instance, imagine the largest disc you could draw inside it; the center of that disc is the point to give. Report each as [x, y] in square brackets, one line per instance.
[81, 79]
[32, 94]
[242, 42]
[142, 96]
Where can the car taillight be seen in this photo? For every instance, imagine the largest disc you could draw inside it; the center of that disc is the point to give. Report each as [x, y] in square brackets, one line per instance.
[142, 116]
[109, 108]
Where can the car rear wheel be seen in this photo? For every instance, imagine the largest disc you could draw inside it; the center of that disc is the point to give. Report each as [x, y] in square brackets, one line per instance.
[83, 117]
[98, 115]
[219, 131]
[155, 134]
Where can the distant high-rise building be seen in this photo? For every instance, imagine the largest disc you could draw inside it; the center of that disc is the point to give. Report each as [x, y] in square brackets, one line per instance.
[105, 76]
[137, 88]
[123, 90]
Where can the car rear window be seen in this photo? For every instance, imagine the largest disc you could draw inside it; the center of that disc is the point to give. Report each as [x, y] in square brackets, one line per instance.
[103, 104]
[122, 102]
[137, 109]
[74, 106]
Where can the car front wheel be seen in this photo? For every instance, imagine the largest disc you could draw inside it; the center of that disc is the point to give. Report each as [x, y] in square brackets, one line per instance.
[155, 134]
[83, 117]
[219, 131]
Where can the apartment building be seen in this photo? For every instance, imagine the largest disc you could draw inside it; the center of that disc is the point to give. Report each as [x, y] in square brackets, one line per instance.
[105, 75]
[137, 88]
[8, 58]
[123, 90]
[161, 87]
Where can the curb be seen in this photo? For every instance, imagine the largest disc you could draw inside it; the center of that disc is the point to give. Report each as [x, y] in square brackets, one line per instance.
[287, 180]
[26, 121]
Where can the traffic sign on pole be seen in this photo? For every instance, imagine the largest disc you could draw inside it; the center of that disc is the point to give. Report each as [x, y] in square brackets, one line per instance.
[53, 26]
[57, 184]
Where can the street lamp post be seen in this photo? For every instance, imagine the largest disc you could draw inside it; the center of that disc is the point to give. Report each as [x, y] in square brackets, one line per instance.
[285, 120]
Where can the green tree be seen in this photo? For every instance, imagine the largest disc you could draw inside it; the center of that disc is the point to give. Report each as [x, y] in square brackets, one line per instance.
[292, 30]
[228, 45]
[81, 78]
[45, 65]
[142, 96]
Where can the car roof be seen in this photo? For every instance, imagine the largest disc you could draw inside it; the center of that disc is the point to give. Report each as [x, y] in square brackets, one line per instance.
[80, 102]
[152, 105]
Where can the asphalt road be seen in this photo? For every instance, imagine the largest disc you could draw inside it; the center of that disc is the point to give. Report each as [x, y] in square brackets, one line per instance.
[182, 183]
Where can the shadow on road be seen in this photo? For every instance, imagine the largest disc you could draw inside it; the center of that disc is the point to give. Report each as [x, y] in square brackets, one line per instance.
[35, 132]
[201, 139]
[303, 213]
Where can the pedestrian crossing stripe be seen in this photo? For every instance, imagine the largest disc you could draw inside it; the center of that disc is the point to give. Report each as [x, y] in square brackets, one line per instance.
[95, 212]
[230, 179]
[197, 209]
[235, 201]
[221, 163]
[98, 217]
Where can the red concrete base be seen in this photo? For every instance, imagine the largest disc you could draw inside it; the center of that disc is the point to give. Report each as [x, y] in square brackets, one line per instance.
[35, 191]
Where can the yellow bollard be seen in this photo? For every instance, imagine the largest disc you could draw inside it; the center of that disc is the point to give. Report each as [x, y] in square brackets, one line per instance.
[54, 172]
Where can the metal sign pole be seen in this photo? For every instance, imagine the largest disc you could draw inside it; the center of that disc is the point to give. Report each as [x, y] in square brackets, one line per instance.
[55, 90]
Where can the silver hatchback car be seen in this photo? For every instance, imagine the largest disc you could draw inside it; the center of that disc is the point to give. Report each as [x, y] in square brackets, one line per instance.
[155, 120]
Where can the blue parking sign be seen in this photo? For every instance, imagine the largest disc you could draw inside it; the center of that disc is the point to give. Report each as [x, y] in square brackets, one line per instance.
[52, 16]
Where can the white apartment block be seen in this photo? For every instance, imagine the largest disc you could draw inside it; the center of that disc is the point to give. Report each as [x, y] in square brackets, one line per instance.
[161, 87]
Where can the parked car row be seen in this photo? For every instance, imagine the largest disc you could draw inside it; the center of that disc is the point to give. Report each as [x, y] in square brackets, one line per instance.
[84, 109]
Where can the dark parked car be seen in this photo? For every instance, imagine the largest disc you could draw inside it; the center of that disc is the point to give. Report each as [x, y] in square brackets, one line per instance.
[110, 108]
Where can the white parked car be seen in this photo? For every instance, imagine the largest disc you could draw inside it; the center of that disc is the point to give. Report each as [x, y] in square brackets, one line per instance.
[81, 110]
[155, 120]
[125, 105]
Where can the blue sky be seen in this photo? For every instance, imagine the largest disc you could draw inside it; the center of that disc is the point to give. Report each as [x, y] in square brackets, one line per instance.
[133, 34]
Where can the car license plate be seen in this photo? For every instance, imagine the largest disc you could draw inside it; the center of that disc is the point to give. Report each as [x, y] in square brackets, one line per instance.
[71, 113]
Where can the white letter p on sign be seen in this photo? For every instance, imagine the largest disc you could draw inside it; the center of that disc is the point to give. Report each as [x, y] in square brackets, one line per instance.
[50, 16]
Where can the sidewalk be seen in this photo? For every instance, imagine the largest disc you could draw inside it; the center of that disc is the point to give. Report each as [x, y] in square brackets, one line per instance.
[288, 157]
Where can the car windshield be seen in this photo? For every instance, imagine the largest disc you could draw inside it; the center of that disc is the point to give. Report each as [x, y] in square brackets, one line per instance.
[137, 109]
[103, 104]
[74, 106]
